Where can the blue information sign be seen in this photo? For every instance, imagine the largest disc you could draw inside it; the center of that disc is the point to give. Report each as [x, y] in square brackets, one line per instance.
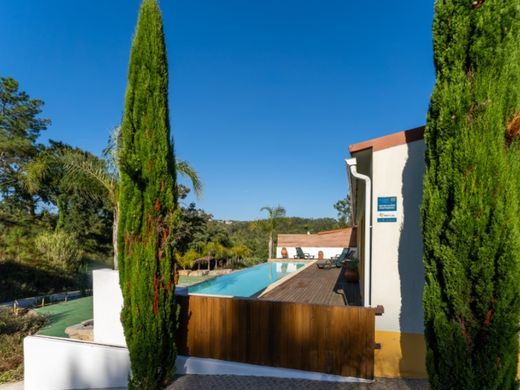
[387, 209]
[387, 203]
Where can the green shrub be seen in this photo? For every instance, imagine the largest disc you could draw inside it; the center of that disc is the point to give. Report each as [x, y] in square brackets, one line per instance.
[471, 197]
[61, 249]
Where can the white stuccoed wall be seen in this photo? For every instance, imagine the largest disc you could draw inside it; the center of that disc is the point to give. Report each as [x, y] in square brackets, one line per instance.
[108, 302]
[52, 363]
[397, 269]
[327, 252]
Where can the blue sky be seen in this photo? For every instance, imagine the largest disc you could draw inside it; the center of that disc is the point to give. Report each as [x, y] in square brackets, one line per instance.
[265, 95]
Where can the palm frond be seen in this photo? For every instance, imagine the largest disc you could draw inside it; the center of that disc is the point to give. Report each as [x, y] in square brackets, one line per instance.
[186, 170]
[82, 169]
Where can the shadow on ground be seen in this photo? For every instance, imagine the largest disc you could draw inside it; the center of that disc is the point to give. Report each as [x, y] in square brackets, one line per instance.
[234, 382]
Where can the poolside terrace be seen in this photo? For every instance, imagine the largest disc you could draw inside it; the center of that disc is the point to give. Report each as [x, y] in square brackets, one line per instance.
[317, 286]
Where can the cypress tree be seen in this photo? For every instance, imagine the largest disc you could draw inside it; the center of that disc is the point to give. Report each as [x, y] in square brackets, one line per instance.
[147, 202]
[471, 197]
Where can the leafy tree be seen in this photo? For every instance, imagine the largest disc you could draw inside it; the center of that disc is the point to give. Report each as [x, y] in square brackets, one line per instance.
[191, 224]
[253, 233]
[74, 181]
[20, 128]
[147, 202]
[342, 206]
[239, 252]
[187, 259]
[270, 225]
[82, 186]
[471, 197]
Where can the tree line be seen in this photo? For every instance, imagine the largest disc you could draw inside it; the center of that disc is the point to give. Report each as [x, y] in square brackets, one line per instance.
[59, 208]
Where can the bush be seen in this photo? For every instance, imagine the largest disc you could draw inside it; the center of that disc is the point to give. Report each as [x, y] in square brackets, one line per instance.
[14, 326]
[61, 249]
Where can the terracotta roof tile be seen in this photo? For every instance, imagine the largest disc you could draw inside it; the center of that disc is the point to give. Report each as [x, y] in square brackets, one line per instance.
[339, 238]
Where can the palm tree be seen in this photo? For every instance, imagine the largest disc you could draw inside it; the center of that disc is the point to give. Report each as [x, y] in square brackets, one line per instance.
[97, 178]
[274, 215]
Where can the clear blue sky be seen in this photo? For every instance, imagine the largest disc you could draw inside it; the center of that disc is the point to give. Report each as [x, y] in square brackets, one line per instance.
[266, 95]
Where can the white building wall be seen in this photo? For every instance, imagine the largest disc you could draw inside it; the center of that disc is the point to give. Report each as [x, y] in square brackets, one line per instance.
[108, 302]
[328, 252]
[397, 269]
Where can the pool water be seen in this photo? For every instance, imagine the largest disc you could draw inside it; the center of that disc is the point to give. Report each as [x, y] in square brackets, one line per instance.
[247, 282]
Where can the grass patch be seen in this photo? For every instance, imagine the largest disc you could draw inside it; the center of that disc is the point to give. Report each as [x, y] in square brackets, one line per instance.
[188, 280]
[63, 315]
[14, 326]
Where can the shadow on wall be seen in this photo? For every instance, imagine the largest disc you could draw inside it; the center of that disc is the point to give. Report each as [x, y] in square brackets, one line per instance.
[411, 269]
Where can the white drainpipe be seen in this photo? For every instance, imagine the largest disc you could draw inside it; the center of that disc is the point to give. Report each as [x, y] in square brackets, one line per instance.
[352, 169]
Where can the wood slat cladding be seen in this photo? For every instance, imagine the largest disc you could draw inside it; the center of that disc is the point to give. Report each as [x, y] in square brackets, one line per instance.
[329, 339]
[340, 238]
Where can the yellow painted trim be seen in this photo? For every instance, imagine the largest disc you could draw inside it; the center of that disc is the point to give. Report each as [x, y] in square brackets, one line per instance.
[403, 355]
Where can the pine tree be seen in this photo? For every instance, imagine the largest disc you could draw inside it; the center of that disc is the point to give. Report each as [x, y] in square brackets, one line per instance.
[471, 197]
[147, 202]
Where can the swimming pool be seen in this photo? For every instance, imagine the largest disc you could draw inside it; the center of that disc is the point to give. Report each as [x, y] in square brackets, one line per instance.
[247, 282]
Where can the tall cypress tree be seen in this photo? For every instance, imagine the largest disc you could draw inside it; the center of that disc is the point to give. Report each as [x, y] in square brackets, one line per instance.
[147, 202]
[471, 197]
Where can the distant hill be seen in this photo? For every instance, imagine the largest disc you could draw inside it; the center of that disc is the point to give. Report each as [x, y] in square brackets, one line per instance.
[248, 233]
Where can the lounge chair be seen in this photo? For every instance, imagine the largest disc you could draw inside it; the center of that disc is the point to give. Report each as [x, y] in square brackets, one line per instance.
[337, 261]
[301, 255]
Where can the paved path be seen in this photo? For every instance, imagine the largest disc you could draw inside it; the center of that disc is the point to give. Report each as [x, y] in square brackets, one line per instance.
[12, 386]
[231, 382]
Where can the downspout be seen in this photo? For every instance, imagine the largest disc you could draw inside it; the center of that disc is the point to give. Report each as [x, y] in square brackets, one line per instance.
[352, 169]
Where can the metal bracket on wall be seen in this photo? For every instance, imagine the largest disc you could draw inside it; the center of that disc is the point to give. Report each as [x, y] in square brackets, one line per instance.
[379, 310]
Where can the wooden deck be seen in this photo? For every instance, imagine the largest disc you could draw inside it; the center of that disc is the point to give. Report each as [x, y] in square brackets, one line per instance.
[317, 286]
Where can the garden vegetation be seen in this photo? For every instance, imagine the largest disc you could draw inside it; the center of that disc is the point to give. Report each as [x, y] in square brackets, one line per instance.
[471, 197]
[147, 207]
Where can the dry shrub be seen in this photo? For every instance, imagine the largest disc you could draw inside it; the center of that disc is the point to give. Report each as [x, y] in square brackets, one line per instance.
[513, 127]
[14, 326]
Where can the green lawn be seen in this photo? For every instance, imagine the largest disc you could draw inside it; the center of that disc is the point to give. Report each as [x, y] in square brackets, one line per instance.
[62, 315]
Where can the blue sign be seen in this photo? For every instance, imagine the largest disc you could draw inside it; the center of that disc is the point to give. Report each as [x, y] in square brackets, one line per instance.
[387, 220]
[387, 209]
[387, 203]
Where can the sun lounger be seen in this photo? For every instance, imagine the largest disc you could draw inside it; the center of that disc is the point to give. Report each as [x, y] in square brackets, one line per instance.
[336, 262]
[301, 255]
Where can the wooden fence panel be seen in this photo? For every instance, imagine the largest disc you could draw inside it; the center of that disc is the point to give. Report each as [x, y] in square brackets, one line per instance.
[329, 339]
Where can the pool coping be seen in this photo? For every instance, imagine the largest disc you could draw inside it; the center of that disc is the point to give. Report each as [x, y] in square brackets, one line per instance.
[307, 263]
[279, 282]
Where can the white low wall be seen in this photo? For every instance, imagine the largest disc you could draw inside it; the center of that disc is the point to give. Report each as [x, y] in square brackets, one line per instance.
[108, 302]
[313, 251]
[56, 363]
